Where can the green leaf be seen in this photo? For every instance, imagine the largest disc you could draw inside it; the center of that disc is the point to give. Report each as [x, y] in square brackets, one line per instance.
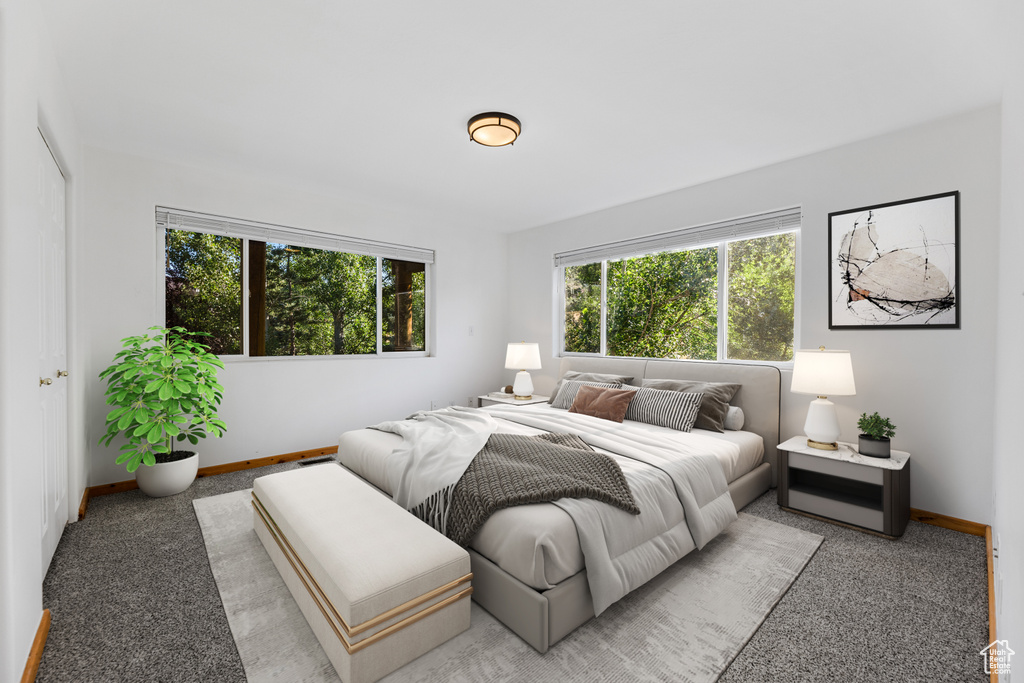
[192, 439]
[149, 459]
[117, 412]
[134, 463]
[126, 419]
[165, 391]
[124, 456]
[156, 434]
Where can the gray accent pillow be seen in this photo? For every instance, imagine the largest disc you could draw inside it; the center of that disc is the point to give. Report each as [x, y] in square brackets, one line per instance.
[673, 409]
[588, 377]
[567, 393]
[716, 399]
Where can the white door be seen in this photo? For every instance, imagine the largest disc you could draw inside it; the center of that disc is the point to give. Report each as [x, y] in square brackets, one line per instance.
[53, 385]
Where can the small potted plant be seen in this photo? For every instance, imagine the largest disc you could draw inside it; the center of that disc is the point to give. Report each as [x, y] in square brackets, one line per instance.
[163, 387]
[876, 432]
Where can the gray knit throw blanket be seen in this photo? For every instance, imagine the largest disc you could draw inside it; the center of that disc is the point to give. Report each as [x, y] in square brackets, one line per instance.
[516, 470]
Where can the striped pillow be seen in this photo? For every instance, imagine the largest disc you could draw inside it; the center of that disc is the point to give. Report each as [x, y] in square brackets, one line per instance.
[673, 409]
[567, 392]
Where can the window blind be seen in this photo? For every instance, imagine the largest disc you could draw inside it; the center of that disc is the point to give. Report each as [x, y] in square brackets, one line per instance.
[279, 234]
[736, 228]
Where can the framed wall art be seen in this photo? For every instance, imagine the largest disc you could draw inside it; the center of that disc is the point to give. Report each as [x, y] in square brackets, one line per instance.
[896, 265]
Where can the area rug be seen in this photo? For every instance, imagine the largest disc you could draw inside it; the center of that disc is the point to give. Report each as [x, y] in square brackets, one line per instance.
[685, 625]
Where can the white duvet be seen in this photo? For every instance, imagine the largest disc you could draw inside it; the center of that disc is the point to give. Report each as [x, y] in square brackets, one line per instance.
[676, 479]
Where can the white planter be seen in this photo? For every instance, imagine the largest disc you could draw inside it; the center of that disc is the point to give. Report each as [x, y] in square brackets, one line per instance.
[167, 479]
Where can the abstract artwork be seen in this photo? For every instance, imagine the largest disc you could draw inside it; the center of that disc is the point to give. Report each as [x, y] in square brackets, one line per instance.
[896, 264]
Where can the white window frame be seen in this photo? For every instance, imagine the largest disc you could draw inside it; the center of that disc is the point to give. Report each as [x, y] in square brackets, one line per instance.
[787, 221]
[265, 232]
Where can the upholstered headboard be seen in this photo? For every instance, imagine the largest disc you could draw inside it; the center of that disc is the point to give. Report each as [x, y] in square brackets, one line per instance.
[759, 395]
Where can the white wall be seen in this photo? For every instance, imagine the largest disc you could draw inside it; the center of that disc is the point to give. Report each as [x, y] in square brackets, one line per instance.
[31, 96]
[936, 385]
[1008, 524]
[281, 406]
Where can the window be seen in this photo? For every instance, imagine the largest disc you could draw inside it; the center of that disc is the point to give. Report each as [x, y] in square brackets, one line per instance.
[719, 292]
[404, 293]
[203, 284]
[302, 299]
[583, 308]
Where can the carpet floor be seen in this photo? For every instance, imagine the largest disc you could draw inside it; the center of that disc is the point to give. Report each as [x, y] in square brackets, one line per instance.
[687, 623]
[133, 599]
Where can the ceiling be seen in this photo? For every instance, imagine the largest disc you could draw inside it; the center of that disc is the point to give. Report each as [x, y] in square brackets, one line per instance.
[619, 101]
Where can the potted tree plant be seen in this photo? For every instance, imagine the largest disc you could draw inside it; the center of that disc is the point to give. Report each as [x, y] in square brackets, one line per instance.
[163, 387]
[876, 432]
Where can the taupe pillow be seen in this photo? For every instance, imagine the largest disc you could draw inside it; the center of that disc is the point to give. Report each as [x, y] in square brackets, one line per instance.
[588, 377]
[607, 404]
[713, 406]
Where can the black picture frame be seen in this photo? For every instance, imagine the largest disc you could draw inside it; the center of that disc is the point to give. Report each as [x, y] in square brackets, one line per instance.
[896, 265]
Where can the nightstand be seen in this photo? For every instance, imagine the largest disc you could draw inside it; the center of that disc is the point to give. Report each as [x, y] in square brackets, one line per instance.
[492, 400]
[844, 486]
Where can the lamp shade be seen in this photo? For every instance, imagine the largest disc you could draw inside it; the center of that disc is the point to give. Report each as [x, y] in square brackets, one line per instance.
[823, 373]
[523, 356]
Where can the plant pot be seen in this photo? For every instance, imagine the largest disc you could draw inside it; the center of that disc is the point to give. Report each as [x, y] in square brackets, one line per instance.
[169, 478]
[874, 448]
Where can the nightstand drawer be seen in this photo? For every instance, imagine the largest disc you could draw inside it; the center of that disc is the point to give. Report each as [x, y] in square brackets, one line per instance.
[836, 509]
[846, 470]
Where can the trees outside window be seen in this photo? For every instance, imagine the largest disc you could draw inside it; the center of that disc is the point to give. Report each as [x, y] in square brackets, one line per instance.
[301, 300]
[667, 304]
[762, 282]
[403, 309]
[319, 302]
[203, 287]
[583, 308]
[664, 305]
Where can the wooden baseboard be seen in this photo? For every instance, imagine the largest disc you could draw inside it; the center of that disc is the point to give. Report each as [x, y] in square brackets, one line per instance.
[974, 529]
[263, 462]
[119, 486]
[954, 523]
[35, 655]
[84, 505]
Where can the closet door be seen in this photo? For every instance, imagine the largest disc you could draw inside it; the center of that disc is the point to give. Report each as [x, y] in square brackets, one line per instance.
[53, 384]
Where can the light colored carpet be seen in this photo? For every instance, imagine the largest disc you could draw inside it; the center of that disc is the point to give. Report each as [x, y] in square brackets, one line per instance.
[685, 625]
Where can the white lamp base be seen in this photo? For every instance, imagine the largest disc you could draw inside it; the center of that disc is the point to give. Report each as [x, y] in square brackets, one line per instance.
[822, 425]
[522, 388]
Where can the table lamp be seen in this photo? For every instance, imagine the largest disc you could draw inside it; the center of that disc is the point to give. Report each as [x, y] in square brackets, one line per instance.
[822, 373]
[523, 356]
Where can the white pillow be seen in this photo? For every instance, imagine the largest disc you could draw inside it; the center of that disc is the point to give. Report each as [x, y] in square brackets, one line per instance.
[734, 418]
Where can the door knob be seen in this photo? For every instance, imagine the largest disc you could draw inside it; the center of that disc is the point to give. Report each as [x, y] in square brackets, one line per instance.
[62, 373]
[46, 381]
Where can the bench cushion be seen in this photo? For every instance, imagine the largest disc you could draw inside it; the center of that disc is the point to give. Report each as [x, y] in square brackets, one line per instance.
[370, 568]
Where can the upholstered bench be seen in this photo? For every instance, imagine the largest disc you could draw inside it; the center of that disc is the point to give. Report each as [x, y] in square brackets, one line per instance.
[378, 586]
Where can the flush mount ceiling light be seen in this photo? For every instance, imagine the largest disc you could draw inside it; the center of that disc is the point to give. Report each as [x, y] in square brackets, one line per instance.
[494, 129]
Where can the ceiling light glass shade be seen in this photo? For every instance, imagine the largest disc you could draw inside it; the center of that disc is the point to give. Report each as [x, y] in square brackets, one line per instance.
[523, 356]
[494, 129]
[823, 373]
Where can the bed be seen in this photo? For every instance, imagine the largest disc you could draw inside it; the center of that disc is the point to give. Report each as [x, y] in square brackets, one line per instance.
[527, 563]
